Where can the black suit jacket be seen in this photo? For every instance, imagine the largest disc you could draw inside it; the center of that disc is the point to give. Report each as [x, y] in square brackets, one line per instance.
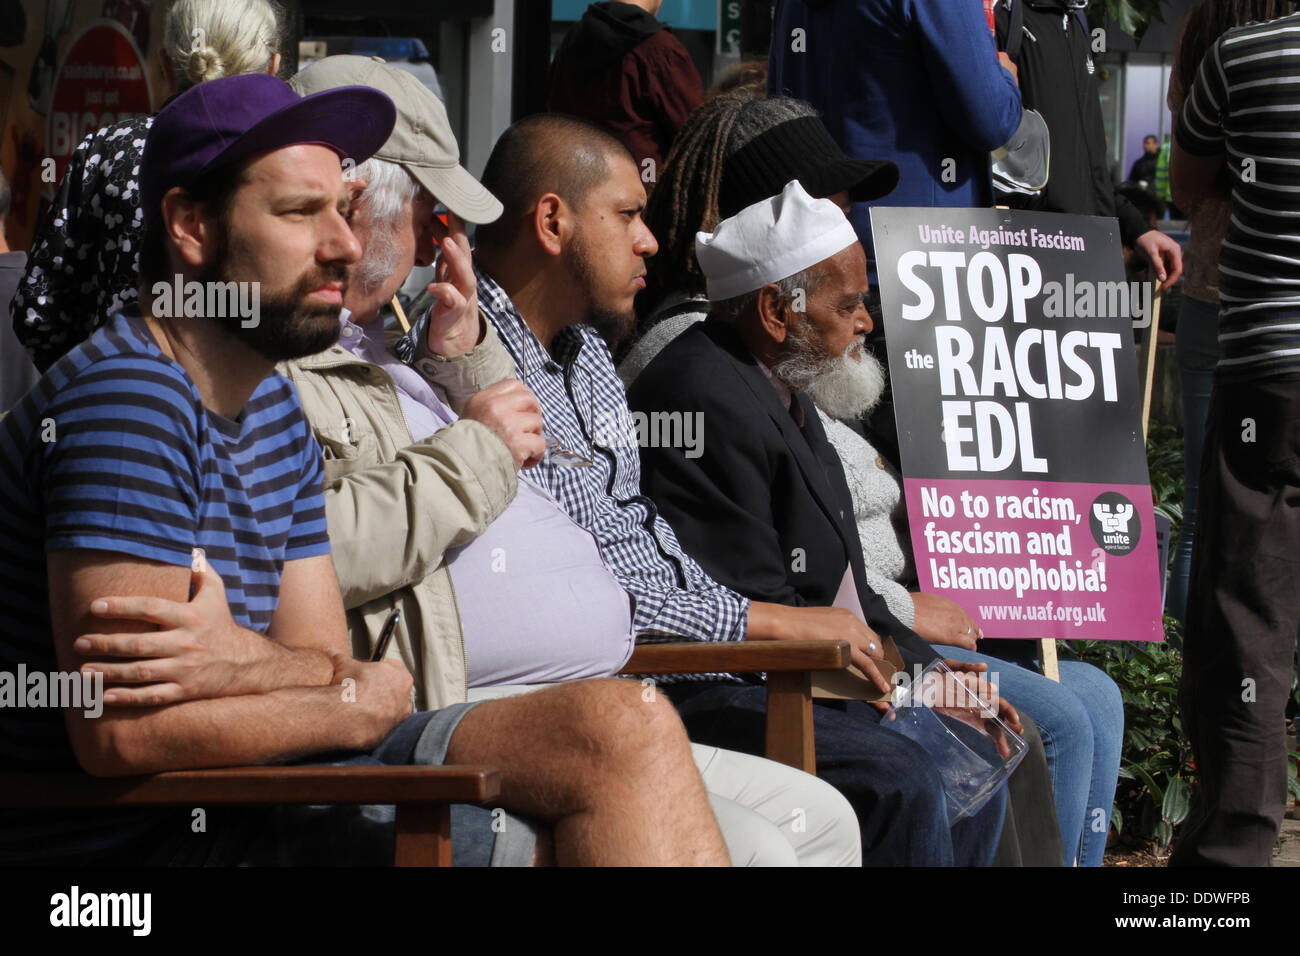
[764, 507]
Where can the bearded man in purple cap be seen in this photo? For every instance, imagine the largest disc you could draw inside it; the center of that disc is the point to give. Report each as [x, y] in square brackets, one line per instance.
[160, 492]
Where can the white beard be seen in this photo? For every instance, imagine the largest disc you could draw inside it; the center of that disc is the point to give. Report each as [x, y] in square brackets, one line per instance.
[842, 387]
[379, 262]
[849, 389]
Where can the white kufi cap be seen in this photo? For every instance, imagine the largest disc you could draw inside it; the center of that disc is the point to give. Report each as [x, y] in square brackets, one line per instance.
[771, 240]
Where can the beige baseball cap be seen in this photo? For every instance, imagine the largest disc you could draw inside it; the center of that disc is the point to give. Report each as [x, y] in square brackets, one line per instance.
[421, 143]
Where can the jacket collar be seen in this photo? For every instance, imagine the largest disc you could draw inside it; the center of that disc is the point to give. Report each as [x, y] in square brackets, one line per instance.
[332, 357]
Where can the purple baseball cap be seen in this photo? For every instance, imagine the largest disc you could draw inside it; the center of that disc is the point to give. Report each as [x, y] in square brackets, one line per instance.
[220, 122]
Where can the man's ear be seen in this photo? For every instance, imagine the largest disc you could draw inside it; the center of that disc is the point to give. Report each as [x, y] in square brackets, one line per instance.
[187, 228]
[552, 223]
[773, 313]
[355, 188]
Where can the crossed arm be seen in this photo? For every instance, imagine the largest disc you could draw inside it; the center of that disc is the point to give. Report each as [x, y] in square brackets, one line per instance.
[186, 688]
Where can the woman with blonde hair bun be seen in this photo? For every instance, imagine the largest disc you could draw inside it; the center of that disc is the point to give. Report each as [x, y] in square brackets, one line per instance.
[207, 39]
[84, 265]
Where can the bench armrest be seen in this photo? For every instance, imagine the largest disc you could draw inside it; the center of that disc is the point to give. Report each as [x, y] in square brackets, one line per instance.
[422, 794]
[788, 665]
[737, 657]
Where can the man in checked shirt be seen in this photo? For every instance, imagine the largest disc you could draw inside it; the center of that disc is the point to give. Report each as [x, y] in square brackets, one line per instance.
[559, 269]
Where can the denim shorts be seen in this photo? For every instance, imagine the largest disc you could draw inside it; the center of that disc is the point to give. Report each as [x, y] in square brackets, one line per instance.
[340, 835]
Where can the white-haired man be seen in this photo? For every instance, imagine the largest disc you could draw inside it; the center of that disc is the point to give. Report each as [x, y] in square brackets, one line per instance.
[498, 587]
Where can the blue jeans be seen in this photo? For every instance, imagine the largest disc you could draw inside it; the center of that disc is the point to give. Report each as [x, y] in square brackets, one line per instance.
[1081, 721]
[1198, 353]
[890, 780]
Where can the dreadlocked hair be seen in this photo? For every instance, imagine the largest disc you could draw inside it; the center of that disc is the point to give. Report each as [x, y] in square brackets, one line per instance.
[685, 199]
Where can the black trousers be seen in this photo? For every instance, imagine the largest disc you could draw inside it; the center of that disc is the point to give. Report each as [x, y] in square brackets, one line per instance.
[1243, 608]
[1031, 834]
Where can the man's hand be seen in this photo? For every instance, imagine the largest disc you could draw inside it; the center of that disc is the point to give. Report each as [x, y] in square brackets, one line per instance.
[777, 622]
[1009, 65]
[380, 691]
[987, 691]
[1164, 254]
[199, 652]
[941, 620]
[454, 323]
[513, 414]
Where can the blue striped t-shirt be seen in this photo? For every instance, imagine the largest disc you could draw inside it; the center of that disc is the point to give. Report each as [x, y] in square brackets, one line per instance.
[113, 450]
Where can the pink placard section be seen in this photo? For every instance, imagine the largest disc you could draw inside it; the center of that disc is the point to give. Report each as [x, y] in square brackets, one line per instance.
[1040, 559]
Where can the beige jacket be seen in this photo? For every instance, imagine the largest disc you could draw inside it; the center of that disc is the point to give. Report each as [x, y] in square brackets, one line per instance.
[394, 506]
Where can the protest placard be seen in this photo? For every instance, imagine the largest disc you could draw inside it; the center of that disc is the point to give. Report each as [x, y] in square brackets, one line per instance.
[1015, 388]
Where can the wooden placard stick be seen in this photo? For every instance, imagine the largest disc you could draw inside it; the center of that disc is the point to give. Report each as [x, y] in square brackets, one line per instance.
[1147, 354]
[1047, 657]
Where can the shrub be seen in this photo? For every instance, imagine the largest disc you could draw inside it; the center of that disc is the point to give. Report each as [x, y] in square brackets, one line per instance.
[1156, 769]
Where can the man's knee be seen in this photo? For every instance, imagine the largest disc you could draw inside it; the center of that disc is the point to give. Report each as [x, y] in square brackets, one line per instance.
[910, 783]
[751, 839]
[617, 721]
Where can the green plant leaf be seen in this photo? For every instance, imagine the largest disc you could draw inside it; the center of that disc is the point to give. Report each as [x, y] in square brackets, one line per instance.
[1117, 819]
[1177, 801]
[1156, 791]
[1163, 833]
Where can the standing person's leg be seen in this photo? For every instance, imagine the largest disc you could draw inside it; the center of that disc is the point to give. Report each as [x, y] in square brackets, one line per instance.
[1031, 834]
[1197, 349]
[1243, 611]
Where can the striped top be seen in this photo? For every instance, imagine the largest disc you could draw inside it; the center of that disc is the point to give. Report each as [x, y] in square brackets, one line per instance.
[113, 450]
[1245, 104]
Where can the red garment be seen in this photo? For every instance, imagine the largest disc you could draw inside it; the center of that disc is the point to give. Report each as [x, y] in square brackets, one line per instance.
[644, 98]
[988, 14]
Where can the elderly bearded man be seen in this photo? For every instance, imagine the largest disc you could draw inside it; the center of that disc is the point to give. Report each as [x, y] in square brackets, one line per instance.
[765, 507]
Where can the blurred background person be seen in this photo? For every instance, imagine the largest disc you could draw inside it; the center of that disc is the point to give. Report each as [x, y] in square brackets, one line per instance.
[916, 82]
[17, 374]
[622, 69]
[1053, 57]
[1143, 169]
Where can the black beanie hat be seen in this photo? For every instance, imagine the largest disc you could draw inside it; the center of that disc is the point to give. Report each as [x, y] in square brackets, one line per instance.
[799, 149]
